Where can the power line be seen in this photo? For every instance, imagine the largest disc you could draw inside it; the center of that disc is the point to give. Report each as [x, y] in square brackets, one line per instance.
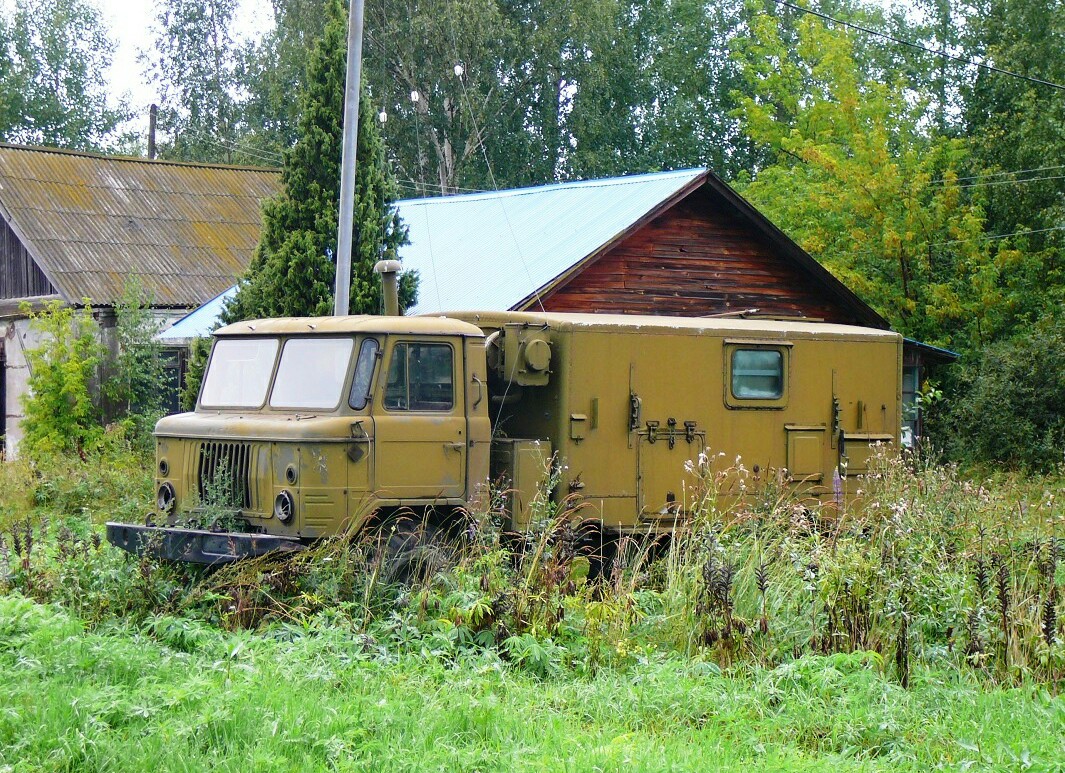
[918, 46]
[989, 237]
[419, 186]
[256, 153]
[956, 180]
[1010, 182]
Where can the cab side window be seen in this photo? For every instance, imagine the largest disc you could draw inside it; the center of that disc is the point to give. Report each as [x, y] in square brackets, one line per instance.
[420, 378]
[362, 382]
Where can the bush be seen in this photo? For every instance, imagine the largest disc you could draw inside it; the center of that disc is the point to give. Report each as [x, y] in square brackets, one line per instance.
[1009, 405]
[135, 373]
[60, 413]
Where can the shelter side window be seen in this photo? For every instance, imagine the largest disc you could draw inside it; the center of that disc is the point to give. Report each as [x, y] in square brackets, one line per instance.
[756, 376]
[362, 382]
[420, 378]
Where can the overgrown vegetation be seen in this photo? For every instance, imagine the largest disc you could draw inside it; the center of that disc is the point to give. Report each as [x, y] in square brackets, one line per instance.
[924, 627]
[60, 414]
[1008, 408]
[171, 694]
[77, 384]
[934, 570]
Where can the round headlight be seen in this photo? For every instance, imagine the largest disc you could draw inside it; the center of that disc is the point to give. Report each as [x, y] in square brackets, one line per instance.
[164, 468]
[284, 506]
[165, 498]
[290, 474]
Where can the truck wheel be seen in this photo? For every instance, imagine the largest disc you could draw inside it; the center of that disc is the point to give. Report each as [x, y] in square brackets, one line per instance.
[414, 549]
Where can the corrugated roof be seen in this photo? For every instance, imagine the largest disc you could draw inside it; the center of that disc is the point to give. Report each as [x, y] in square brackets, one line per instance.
[493, 250]
[186, 230]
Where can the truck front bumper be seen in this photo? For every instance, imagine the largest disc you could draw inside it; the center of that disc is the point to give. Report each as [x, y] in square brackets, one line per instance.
[195, 546]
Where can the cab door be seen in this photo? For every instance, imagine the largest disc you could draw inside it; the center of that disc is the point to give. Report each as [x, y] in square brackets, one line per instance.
[420, 422]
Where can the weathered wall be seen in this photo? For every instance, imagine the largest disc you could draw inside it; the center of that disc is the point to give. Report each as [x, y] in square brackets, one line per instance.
[18, 337]
[697, 258]
[20, 277]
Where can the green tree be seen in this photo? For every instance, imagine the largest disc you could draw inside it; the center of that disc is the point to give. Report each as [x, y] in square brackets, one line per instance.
[195, 66]
[440, 120]
[274, 68]
[60, 415]
[861, 184]
[292, 272]
[1016, 125]
[54, 55]
[1007, 403]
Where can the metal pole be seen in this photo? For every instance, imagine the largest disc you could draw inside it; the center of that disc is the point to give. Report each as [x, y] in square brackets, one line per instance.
[347, 159]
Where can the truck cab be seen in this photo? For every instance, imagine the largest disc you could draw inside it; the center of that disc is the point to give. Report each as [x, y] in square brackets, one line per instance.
[307, 427]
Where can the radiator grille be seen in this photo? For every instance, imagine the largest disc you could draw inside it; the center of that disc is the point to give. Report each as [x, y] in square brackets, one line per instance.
[224, 474]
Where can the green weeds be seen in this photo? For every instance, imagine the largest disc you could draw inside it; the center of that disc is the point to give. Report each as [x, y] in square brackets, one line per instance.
[921, 628]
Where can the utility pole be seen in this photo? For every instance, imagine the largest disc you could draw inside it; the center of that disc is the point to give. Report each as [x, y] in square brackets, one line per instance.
[153, 118]
[347, 159]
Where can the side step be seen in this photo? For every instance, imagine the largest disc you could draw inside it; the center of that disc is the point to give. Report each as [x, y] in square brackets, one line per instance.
[195, 546]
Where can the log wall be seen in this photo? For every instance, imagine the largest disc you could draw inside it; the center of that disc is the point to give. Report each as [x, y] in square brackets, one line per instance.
[695, 259]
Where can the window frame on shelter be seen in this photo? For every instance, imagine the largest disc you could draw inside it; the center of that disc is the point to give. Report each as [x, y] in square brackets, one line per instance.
[738, 398]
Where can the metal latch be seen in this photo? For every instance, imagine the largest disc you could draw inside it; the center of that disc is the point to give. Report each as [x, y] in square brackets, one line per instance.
[672, 424]
[689, 431]
[652, 431]
[577, 424]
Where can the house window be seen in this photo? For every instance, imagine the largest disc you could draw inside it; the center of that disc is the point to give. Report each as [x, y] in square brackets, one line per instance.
[420, 378]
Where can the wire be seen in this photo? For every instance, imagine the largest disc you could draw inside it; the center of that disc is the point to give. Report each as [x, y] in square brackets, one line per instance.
[955, 181]
[414, 184]
[1010, 182]
[998, 236]
[919, 47]
[261, 155]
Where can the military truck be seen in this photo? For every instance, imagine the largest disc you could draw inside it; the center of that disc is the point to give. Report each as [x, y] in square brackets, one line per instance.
[315, 426]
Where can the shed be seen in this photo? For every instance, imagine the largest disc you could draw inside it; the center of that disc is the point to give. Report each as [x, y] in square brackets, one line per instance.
[75, 226]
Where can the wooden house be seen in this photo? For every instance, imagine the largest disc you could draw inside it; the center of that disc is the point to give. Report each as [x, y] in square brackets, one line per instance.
[75, 227]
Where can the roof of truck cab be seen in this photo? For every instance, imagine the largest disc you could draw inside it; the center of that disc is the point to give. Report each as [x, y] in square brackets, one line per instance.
[427, 325]
[632, 323]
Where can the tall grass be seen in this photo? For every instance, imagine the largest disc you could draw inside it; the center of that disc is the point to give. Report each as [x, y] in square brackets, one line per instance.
[928, 569]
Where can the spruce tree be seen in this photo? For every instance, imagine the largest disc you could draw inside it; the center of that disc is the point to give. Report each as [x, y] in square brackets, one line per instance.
[293, 270]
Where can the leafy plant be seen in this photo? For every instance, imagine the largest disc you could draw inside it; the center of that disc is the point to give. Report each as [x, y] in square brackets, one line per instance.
[60, 415]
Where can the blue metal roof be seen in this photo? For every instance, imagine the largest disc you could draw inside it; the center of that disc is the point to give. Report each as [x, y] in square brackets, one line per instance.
[491, 251]
[199, 323]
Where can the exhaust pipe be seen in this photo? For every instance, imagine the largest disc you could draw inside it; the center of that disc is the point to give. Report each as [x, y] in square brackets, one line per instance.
[389, 271]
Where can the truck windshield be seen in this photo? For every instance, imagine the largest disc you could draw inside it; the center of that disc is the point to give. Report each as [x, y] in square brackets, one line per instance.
[311, 373]
[239, 373]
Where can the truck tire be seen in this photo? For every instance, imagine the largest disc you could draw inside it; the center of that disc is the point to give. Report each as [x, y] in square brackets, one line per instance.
[414, 549]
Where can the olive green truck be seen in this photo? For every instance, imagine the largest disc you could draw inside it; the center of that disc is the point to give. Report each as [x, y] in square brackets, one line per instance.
[314, 426]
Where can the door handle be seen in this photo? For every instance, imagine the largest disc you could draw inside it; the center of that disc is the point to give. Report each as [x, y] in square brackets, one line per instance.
[455, 446]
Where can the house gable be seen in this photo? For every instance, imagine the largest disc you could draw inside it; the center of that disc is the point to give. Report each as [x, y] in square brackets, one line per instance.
[702, 256]
[20, 276]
